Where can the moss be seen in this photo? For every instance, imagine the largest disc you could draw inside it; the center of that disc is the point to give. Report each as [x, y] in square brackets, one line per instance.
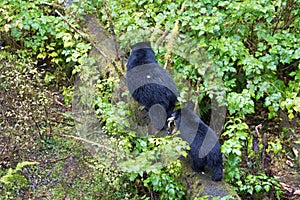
[200, 185]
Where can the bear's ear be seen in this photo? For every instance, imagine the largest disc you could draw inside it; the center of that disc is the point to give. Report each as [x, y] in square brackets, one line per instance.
[141, 45]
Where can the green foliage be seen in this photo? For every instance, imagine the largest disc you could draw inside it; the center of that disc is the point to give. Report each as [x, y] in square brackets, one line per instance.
[166, 185]
[13, 180]
[240, 104]
[114, 116]
[154, 154]
[107, 183]
[243, 53]
[257, 39]
[253, 46]
[275, 146]
[23, 104]
[38, 30]
[259, 184]
[237, 133]
[157, 161]
[292, 104]
[67, 92]
[33, 66]
[35, 27]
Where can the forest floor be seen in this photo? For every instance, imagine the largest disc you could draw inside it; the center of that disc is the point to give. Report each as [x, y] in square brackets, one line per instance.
[284, 165]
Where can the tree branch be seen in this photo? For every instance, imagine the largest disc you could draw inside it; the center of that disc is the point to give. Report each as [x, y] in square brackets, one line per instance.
[81, 34]
[87, 141]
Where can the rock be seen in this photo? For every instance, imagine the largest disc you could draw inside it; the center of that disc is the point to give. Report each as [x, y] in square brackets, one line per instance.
[199, 185]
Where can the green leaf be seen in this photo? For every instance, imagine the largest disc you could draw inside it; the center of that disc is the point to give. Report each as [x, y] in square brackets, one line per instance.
[160, 18]
[23, 164]
[267, 188]
[49, 77]
[133, 176]
[258, 188]
[53, 54]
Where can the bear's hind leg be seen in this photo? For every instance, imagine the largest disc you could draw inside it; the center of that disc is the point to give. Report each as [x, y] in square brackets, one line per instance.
[214, 162]
[217, 173]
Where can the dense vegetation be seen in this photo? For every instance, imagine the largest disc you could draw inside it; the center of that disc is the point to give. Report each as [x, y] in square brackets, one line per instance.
[237, 60]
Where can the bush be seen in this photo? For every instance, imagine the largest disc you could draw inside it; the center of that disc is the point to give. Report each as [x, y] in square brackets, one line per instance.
[244, 54]
[253, 46]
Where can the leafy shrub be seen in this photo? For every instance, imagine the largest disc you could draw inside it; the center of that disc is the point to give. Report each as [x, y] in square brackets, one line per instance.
[24, 106]
[237, 133]
[253, 46]
[156, 160]
[13, 181]
[150, 162]
[35, 27]
[243, 53]
[259, 184]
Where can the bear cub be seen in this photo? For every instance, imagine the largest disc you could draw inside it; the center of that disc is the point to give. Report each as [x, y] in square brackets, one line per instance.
[204, 143]
[150, 85]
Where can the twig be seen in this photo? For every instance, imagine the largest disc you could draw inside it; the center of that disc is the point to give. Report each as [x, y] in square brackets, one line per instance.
[291, 20]
[58, 102]
[257, 131]
[197, 95]
[170, 44]
[174, 33]
[87, 141]
[159, 41]
[73, 27]
[120, 74]
[54, 5]
[278, 17]
[265, 156]
[256, 135]
[81, 34]
[111, 26]
[56, 160]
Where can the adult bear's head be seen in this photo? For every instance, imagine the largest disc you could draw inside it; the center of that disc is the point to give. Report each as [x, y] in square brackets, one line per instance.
[141, 54]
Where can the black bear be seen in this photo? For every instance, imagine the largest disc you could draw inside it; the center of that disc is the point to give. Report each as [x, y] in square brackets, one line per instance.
[204, 143]
[150, 85]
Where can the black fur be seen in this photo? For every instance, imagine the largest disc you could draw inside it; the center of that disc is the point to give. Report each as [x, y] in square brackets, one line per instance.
[155, 86]
[203, 141]
[140, 56]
